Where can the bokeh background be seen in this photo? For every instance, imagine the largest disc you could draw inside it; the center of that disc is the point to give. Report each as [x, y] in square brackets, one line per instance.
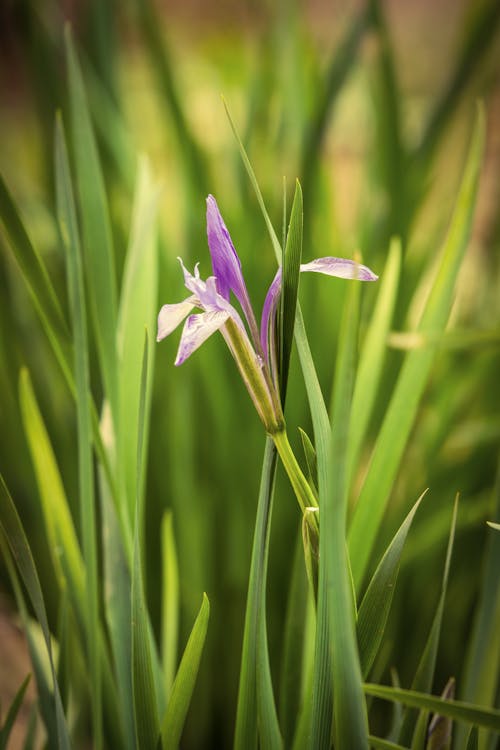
[370, 105]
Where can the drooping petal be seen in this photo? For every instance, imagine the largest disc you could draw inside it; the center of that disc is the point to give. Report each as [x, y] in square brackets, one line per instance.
[340, 267]
[225, 261]
[197, 330]
[170, 316]
[269, 311]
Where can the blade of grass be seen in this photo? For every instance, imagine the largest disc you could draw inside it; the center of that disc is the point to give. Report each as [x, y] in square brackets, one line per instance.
[350, 716]
[379, 744]
[147, 723]
[402, 410]
[248, 706]
[21, 552]
[63, 542]
[369, 371]
[97, 238]
[376, 603]
[457, 710]
[182, 689]
[425, 672]
[137, 311]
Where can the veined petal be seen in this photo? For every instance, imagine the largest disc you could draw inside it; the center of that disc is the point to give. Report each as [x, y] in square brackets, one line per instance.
[225, 261]
[340, 267]
[170, 316]
[197, 330]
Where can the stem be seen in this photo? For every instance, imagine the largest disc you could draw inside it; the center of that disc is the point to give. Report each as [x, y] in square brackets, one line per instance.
[300, 485]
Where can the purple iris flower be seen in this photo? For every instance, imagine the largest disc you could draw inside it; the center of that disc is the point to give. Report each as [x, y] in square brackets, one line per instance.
[249, 347]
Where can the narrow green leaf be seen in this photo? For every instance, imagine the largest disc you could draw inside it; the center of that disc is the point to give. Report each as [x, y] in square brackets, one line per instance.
[147, 724]
[253, 650]
[137, 312]
[21, 552]
[61, 535]
[292, 676]
[66, 214]
[375, 606]
[457, 710]
[403, 407]
[14, 707]
[424, 675]
[290, 286]
[98, 245]
[170, 602]
[350, 716]
[311, 459]
[371, 360]
[182, 690]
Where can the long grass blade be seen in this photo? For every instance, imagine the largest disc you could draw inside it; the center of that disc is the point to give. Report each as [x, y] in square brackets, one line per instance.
[424, 675]
[97, 238]
[182, 690]
[12, 713]
[70, 236]
[170, 603]
[350, 716]
[374, 610]
[457, 710]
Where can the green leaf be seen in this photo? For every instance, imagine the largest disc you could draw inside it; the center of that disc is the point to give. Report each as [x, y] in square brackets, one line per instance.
[137, 312]
[170, 602]
[292, 672]
[369, 371]
[98, 244]
[254, 686]
[66, 214]
[375, 606]
[21, 552]
[144, 685]
[335, 586]
[14, 707]
[61, 535]
[185, 679]
[414, 374]
[290, 286]
[425, 672]
[457, 710]
[472, 739]
[311, 459]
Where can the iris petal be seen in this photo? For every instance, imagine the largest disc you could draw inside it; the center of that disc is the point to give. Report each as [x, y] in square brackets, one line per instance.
[170, 316]
[340, 267]
[197, 329]
[225, 261]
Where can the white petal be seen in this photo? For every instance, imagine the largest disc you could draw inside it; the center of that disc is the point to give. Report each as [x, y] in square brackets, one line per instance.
[197, 329]
[170, 316]
[340, 267]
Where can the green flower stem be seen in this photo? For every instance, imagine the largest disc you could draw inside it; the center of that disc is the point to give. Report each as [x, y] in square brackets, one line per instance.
[300, 485]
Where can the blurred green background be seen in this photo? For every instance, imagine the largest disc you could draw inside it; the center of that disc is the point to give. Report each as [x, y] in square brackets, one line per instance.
[370, 105]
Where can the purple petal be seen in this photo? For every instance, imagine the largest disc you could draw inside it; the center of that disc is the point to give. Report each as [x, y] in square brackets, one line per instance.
[269, 311]
[197, 329]
[340, 267]
[225, 261]
[170, 316]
